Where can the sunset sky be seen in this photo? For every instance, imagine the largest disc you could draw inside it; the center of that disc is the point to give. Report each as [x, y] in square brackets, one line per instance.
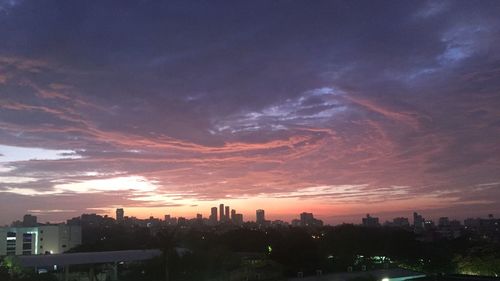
[339, 108]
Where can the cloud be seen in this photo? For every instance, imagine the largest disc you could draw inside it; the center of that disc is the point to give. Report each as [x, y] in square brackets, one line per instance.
[26, 191]
[15, 154]
[330, 104]
[50, 211]
[132, 183]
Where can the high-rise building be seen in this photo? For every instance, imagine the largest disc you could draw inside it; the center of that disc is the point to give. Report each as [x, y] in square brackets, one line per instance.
[444, 222]
[29, 221]
[233, 212]
[213, 215]
[260, 216]
[119, 214]
[238, 219]
[418, 221]
[181, 221]
[401, 222]
[307, 219]
[226, 214]
[370, 221]
[169, 220]
[472, 223]
[221, 212]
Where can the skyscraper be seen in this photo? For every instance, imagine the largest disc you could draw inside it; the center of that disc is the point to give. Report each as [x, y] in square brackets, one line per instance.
[260, 216]
[213, 215]
[233, 212]
[418, 222]
[119, 214]
[221, 212]
[226, 215]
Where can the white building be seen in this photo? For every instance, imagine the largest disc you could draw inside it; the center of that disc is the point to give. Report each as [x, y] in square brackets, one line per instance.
[44, 239]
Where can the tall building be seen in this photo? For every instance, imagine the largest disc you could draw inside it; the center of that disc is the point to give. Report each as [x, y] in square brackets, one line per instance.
[181, 221]
[169, 220]
[119, 214]
[418, 221]
[401, 222]
[260, 216]
[444, 222]
[472, 223]
[221, 212]
[238, 219]
[44, 239]
[307, 219]
[29, 221]
[233, 212]
[213, 215]
[370, 221]
[226, 215]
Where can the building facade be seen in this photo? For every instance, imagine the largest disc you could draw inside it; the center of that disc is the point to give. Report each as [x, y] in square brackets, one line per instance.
[44, 239]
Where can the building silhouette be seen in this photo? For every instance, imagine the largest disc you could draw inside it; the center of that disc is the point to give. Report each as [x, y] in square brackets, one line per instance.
[307, 219]
[418, 222]
[370, 221]
[120, 214]
[213, 215]
[221, 212]
[238, 219]
[29, 221]
[260, 216]
[226, 215]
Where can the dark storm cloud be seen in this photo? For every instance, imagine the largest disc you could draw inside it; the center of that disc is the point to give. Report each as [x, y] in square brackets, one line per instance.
[208, 100]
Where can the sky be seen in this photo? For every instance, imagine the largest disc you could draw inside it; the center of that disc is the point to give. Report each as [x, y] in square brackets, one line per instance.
[339, 108]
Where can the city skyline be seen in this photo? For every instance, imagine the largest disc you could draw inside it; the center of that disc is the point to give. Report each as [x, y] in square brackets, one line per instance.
[238, 218]
[334, 108]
